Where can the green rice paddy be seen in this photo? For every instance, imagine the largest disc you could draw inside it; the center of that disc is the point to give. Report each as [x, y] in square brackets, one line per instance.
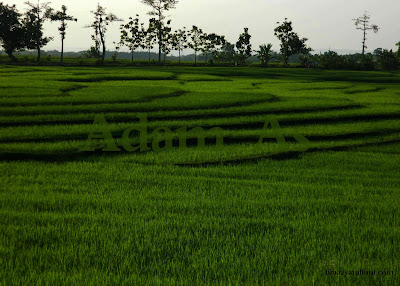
[243, 214]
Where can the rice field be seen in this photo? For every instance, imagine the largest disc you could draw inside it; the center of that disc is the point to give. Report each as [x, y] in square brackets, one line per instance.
[320, 195]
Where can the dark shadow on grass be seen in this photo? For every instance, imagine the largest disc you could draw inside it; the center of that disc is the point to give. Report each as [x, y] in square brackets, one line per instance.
[192, 142]
[376, 89]
[225, 114]
[320, 88]
[132, 119]
[290, 155]
[312, 121]
[120, 78]
[139, 109]
[66, 91]
[72, 103]
[207, 80]
[227, 140]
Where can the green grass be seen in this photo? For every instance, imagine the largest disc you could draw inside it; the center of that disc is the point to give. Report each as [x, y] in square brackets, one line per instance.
[241, 215]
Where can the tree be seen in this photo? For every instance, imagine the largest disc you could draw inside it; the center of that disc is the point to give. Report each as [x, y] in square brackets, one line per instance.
[159, 7]
[218, 44]
[243, 46]
[291, 44]
[12, 32]
[307, 60]
[226, 54]
[363, 23]
[264, 54]
[398, 50]
[378, 52]
[35, 17]
[132, 35]
[210, 44]
[195, 43]
[62, 17]
[205, 46]
[388, 60]
[179, 41]
[167, 44]
[331, 60]
[149, 36]
[100, 23]
[93, 52]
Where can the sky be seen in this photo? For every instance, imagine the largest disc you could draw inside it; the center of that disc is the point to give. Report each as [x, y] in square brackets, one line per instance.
[327, 24]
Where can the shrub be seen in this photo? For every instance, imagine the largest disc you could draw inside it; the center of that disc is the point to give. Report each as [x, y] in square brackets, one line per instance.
[264, 54]
[92, 53]
[369, 63]
[307, 60]
[331, 60]
[114, 57]
[388, 60]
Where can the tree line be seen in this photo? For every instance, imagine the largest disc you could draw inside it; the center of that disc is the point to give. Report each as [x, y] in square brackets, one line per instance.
[24, 31]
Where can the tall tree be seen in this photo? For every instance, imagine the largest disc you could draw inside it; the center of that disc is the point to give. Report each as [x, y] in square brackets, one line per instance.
[196, 35]
[62, 17]
[218, 44]
[388, 60]
[149, 36]
[291, 44]
[159, 7]
[167, 44]
[363, 23]
[307, 60]
[100, 23]
[12, 32]
[243, 46]
[179, 41]
[207, 45]
[35, 17]
[264, 54]
[226, 54]
[132, 34]
[211, 44]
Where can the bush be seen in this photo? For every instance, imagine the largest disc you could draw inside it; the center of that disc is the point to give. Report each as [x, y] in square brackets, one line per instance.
[331, 60]
[264, 54]
[92, 53]
[352, 62]
[307, 60]
[388, 60]
[368, 63]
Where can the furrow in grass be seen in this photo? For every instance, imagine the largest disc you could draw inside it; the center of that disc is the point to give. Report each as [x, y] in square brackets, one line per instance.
[121, 117]
[291, 152]
[180, 112]
[77, 102]
[249, 124]
[188, 102]
[67, 90]
[118, 78]
[359, 91]
[213, 113]
[308, 121]
[74, 131]
[281, 155]
[322, 88]
[230, 137]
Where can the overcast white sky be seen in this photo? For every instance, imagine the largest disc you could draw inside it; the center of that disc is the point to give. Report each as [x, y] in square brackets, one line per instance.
[326, 23]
